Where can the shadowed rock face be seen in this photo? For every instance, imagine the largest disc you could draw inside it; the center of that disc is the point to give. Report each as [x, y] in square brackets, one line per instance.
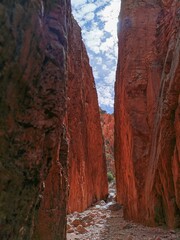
[48, 106]
[87, 165]
[147, 122]
[33, 147]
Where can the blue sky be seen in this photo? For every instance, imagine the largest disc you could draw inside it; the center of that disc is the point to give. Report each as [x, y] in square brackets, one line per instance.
[98, 21]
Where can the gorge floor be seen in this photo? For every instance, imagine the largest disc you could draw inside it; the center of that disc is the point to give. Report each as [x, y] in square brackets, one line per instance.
[105, 221]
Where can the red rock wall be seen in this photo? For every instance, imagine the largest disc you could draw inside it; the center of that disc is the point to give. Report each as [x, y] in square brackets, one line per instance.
[146, 112]
[107, 124]
[33, 146]
[87, 166]
[48, 108]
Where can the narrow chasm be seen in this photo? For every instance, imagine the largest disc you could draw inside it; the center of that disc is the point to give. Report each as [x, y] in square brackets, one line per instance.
[105, 220]
[140, 169]
[90, 120]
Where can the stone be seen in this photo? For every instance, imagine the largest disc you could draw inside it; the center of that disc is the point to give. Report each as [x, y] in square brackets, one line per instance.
[68, 226]
[81, 229]
[129, 237]
[103, 216]
[158, 238]
[101, 221]
[70, 230]
[127, 226]
[103, 203]
[76, 222]
[147, 106]
[110, 198]
[114, 207]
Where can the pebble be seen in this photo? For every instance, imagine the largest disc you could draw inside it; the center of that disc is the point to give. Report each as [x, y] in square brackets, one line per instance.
[102, 222]
[97, 206]
[70, 230]
[81, 229]
[68, 226]
[102, 203]
[129, 237]
[114, 207]
[76, 222]
[110, 198]
[103, 216]
[127, 226]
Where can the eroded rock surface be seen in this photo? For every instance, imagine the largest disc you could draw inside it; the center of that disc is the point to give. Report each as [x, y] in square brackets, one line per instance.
[48, 106]
[147, 118]
[87, 164]
[33, 146]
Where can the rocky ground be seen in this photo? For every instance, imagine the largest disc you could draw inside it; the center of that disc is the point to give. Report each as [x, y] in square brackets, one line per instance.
[105, 221]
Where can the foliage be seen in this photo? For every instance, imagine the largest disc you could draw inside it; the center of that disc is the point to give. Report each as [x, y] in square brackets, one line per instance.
[110, 177]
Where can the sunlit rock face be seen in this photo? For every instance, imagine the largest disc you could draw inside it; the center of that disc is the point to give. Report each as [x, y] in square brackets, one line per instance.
[33, 145]
[87, 165]
[107, 124]
[147, 120]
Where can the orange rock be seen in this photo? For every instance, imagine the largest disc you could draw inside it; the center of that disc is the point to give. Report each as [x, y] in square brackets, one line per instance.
[87, 164]
[107, 124]
[48, 108]
[146, 112]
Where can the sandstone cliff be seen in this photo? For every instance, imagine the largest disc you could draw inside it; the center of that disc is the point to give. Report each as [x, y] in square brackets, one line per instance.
[48, 108]
[107, 124]
[147, 112]
[87, 164]
[33, 146]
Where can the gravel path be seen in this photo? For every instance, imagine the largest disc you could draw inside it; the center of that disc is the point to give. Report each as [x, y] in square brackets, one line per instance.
[105, 221]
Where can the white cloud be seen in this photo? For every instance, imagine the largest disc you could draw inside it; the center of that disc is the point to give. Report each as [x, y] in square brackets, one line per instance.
[95, 73]
[107, 45]
[89, 16]
[104, 67]
[109, 15]
[98, 20]
[77, 3]
[110, 78]
[93, 41]
[105, 95]
[99, 60]
[86, 8]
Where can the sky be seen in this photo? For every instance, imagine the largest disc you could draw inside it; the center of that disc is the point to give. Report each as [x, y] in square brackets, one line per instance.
[98, 21]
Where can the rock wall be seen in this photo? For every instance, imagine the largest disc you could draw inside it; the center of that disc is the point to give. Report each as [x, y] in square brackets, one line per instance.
[147, 112]
[107, 124]
[87, 164]
[48, 106]
[33, 146]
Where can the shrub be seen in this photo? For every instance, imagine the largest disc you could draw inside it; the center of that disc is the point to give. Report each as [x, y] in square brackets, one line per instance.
[110, 177]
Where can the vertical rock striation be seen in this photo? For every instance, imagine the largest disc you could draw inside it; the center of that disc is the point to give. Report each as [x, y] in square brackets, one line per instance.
[33, 146]
[87, 165]
[48, 106]
[147, 121]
